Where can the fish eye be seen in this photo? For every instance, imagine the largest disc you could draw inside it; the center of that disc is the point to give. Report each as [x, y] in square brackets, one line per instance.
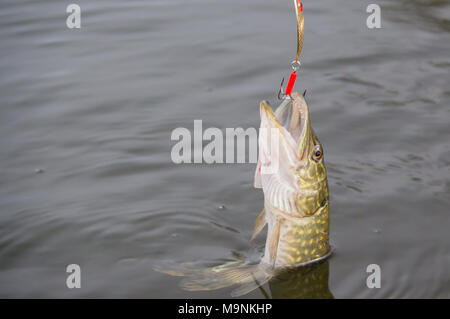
[317, 153]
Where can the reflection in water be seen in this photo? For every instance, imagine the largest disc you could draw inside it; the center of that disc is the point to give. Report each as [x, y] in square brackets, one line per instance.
[308, 282]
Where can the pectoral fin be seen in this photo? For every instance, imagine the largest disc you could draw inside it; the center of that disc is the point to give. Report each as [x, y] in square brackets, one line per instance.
[274, 237]
[260, 222]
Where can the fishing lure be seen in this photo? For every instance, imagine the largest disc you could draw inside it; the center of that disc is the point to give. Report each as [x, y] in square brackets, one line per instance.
[296, 63]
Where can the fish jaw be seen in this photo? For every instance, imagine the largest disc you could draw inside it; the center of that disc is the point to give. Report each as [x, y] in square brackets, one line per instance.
[291, 171]
[277, 162]
[292, 181]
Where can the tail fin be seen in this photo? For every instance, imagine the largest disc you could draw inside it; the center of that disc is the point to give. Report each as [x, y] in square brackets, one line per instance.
[247, 276]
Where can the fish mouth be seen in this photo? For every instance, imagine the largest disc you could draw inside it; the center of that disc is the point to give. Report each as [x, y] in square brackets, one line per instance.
[292, 120]
[281, 159]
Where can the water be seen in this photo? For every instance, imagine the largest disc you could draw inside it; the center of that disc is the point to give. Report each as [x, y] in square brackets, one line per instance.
[86, 117]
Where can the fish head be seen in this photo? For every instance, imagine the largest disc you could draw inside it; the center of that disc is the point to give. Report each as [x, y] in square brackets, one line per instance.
[297, 181]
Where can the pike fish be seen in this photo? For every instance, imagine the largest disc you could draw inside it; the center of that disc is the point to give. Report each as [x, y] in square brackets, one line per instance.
[292, 174]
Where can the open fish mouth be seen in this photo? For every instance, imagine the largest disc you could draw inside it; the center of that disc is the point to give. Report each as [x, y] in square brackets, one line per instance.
[285, 118]
[291, 118]
[293, 178]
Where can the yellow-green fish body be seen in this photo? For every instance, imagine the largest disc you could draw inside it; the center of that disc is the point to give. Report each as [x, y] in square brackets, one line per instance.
[292, 174]
[295, 189]
[301, 240]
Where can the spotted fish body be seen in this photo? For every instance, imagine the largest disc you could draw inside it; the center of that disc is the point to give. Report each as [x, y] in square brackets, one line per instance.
[295, 189]
[291, 172]
[302, 240]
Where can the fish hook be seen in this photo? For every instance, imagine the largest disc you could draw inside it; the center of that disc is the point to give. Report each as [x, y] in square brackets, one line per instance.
[281, 95]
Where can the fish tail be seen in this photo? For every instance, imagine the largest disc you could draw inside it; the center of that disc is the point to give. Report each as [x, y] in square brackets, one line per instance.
[255, 278]
[247, 277]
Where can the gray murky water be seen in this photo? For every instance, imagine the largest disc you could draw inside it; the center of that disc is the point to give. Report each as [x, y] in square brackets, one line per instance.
[94, 110]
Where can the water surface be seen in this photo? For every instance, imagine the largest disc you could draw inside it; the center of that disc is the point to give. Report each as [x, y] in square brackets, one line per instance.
[86, 118]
